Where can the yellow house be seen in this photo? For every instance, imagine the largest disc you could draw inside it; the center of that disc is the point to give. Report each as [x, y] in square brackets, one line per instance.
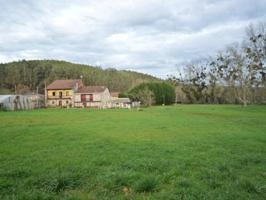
[60, 93]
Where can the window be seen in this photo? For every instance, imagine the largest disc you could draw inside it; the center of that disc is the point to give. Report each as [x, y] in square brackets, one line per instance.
[52, 102]
[66, 102]
[67, 93]
[60, 94]
[91, 97]
[83, 98]
[53, 93]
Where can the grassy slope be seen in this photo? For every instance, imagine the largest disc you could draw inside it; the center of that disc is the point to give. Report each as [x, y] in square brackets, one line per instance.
[182, 152]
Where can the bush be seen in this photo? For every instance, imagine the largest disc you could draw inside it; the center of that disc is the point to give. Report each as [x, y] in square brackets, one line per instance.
[154, 92]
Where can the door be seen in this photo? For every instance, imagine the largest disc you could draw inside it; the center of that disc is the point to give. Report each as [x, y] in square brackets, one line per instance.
[83, 100]
[60, 103]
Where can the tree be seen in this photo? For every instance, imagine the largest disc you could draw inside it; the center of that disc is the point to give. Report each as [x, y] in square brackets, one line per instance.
[194, 83]
[255, 49]
[235, 75]
[146, 96]
[163, 93]
[215, 89]
[35, 73]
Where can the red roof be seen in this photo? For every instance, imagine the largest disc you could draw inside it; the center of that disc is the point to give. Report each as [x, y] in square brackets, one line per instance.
[114, 94]
[64, 84]
[91, 89]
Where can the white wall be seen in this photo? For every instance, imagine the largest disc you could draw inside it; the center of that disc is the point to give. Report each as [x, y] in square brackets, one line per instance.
[102, 97]
[77, 98]
[64, 102]
[106, 97]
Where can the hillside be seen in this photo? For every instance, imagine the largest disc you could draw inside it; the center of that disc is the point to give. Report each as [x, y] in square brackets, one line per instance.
[34, 73]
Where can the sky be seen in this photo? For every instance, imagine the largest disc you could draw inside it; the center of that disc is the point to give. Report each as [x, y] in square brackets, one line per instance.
[149, 36]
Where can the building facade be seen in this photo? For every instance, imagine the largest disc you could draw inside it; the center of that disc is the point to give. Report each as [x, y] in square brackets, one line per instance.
[73, 93]
[92, 96]
[60, 93]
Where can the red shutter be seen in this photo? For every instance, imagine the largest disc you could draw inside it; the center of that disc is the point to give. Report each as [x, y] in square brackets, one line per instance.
[83, 98]
[91, 97]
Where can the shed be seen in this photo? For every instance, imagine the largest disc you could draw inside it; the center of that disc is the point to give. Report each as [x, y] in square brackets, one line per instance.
[121, 103]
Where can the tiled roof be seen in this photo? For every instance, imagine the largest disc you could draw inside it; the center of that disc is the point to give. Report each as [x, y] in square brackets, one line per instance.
[114, 94]
[64, 84]
[91, 89]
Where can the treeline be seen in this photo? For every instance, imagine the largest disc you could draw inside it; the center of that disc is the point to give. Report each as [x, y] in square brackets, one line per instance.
[152, 93]
[235, 75]
[32, 75]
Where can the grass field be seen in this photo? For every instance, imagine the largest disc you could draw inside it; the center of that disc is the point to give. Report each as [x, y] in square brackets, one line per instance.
[177, 152]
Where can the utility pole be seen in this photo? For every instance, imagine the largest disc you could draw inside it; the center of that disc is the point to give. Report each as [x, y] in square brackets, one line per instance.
[45, 94]
[175, 97]
[37, 91]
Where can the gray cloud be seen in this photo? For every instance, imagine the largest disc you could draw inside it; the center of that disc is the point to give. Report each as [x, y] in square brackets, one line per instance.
[151, 36]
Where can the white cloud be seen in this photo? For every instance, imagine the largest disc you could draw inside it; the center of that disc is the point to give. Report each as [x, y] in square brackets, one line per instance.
[151, 36]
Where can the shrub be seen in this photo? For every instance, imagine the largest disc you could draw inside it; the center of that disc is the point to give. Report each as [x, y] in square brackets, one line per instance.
[153, 92]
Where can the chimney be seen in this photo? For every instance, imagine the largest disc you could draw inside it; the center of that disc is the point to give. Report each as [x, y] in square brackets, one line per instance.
[76, 86]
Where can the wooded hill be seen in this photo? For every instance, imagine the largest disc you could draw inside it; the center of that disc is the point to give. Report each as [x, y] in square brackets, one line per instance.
[33, 74]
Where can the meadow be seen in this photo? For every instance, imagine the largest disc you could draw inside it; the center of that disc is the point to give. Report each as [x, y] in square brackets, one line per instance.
[170, 152]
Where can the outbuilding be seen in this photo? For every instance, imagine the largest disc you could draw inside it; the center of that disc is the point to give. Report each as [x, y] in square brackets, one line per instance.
[120, 103]
[20, 102]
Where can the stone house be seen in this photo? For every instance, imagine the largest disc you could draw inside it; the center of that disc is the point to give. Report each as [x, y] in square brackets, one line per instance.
[92, 96]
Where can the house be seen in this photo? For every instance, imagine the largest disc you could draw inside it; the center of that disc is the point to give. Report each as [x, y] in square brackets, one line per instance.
[73, 93]
[60, 93]
[92, 96]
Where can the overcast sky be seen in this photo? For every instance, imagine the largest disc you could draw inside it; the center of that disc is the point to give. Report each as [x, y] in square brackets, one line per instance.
[150, 36]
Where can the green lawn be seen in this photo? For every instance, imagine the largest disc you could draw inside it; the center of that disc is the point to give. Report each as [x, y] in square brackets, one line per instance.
[177, 152]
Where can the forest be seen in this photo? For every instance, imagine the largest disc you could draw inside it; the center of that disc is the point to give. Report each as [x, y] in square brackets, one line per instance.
[31, 76]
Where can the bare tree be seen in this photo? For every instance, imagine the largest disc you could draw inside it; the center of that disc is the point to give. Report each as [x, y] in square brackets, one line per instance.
[146, 96]
[255, 49]
[237, 73]
[194, 82]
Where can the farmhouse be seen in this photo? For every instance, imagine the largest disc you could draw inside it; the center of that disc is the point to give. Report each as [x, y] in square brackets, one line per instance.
[73, 93]
[92, 96]
[60, 93]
